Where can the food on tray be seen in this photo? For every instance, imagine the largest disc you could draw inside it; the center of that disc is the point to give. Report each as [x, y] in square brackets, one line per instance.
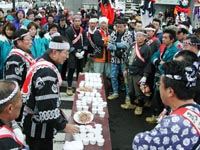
[85, 89]
[84, 117]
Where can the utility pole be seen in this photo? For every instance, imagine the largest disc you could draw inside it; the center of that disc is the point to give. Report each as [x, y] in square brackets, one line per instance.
[13, 4]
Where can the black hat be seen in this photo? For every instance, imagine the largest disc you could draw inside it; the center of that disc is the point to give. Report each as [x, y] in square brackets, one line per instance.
[62, 18]
[182, 30]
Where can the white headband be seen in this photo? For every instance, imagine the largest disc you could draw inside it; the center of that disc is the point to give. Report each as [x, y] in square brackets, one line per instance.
[152, 29]
[25, 34]
[140, 32]
[59, 46]
[14, 92]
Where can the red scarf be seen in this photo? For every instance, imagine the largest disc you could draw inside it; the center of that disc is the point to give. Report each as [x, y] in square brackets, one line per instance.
[138, 54]
[153, 39]
[78, 37]
[103, 33]
[162, 49]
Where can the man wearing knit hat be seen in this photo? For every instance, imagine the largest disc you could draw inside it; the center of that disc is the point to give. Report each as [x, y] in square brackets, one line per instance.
[42, 116]
[101, 54]
[78, 42]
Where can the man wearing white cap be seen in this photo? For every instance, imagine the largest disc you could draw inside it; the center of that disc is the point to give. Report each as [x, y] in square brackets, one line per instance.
[42, 116]
[138, 68]
[91, 47]
[101, 54]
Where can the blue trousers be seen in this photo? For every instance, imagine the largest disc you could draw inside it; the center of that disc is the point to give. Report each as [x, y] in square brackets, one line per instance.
[115, 68]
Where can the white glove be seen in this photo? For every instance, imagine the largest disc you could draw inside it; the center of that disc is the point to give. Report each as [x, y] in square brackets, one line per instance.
[143, 80]
[79, 55]
[82, 53]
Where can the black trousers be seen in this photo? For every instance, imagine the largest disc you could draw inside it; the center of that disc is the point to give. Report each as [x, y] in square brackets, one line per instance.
[39, 144]
[79, 68]
[64, 70]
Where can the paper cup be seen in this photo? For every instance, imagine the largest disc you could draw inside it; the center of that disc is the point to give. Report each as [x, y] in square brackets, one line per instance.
[98, 94]
[102, 114]
[104, 104]
[100, 109]
[98, 131]
[83, 130]
[94, 110]
[82, 136]
[90, 135]
[92, 94]
[85, 108]
[99, 136]
[100, 142]
[87, 94]
[89, 100]
[88, 127]
[85, 141]
[84, 103]
[78, 102]
[98, 125]
[93, 141]
[79, 107]
[94, 105]
[80, 96]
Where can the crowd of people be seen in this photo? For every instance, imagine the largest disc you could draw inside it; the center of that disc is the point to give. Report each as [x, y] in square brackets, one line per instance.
[157, 67]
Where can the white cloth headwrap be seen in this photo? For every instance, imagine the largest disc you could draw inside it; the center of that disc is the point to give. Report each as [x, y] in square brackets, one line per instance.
[25, 34]
[103, 19]
[59, 46]
[152, 29]
[14, 92]
[141, 32]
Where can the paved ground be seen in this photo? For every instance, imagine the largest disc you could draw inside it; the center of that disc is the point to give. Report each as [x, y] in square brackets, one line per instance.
[123, 123]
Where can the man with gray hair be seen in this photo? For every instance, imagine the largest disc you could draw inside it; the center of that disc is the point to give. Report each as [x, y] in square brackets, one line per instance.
[10, 106]
[42, 116]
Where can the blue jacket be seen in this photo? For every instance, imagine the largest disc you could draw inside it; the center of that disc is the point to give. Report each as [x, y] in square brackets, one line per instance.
[38, 47]
[166, 56]
[5, 47]
[17, 23]
[46, 39]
